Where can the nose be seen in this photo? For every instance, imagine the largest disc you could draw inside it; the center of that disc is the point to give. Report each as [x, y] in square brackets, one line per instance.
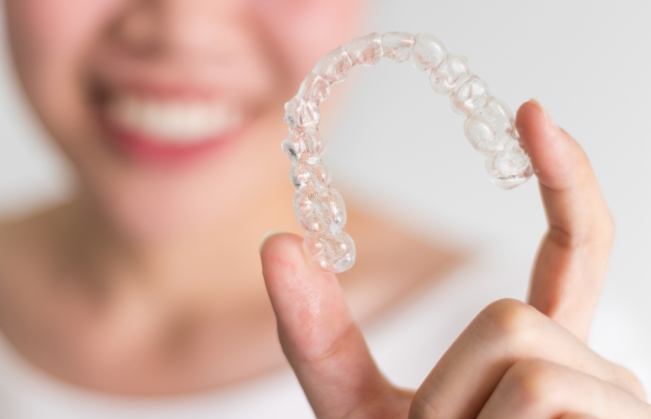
[182, 28]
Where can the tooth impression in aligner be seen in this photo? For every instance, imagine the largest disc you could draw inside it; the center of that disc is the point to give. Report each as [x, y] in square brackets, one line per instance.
[489, 127]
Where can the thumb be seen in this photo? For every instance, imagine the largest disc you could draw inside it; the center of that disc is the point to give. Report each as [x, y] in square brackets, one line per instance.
[321, 341]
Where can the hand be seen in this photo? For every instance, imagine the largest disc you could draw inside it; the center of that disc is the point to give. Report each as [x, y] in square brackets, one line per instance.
[515, 360]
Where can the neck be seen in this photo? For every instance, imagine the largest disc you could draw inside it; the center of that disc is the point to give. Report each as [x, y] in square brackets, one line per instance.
[220, 259]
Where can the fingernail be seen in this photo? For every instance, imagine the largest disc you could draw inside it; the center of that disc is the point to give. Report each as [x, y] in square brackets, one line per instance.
[266, 235]
[548, 119]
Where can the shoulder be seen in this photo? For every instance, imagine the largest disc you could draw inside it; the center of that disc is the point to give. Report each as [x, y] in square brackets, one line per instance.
[26, 245]
[18, 230]
[10, 231]
[396, 260]
[10, 227]
[24, 239]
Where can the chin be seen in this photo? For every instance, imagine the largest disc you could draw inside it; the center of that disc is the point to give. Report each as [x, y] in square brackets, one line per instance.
[143, 212]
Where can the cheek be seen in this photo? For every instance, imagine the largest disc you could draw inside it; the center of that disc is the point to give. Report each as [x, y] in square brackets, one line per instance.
[48, 40]
[52, 32]
[302, 31]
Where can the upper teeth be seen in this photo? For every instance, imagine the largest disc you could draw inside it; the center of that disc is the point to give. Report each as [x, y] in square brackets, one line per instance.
[173, 121]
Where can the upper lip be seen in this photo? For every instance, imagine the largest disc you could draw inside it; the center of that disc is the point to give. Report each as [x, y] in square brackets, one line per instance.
[166, 91]
[164, 81]
[168, 78]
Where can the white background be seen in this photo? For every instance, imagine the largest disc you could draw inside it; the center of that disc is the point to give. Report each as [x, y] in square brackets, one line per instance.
[399, 145]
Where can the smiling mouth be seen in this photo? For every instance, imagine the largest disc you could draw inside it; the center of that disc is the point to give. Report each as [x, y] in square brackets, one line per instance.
[163, 124]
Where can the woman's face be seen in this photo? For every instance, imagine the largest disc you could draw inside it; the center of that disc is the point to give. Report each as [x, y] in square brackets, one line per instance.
[169, 110]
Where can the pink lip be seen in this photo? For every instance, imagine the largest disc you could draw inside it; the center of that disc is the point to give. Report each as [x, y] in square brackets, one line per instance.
[144, 148]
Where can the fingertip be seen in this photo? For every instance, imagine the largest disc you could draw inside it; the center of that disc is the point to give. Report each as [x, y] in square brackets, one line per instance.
[308, 302]
[553, 152]
[530, 110]
[279, 246]
[536, 127]
[281, 257]
[294, 284]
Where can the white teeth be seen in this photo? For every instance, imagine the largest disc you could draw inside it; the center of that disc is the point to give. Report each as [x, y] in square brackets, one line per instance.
[181, 122]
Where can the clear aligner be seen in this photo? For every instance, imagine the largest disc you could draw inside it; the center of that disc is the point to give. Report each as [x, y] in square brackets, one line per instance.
[488, 125]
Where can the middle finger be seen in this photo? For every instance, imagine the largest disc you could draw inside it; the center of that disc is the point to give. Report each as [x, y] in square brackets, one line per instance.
[503, 334]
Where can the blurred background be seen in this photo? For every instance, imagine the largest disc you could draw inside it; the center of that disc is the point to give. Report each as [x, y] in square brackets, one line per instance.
[399, 146]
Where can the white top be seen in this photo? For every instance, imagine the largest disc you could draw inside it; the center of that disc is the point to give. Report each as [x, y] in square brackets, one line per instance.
[406, 343]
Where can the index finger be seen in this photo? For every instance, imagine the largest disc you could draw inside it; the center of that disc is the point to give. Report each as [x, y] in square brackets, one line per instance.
[573, 257]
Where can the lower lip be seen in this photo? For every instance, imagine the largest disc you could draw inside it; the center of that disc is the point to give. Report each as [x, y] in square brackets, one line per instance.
[145, 148]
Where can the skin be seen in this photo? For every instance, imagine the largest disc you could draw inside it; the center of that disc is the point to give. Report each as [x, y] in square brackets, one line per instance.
[515, 359]
[147, 281]
[121, 281]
